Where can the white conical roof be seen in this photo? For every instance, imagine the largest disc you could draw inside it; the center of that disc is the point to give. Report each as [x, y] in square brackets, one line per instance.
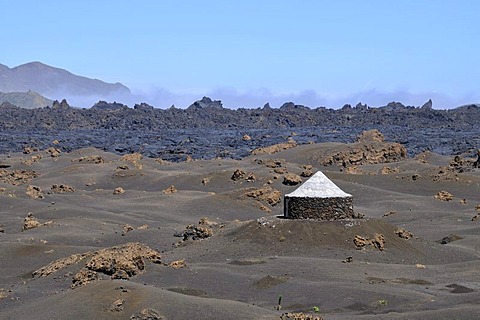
[318, 186]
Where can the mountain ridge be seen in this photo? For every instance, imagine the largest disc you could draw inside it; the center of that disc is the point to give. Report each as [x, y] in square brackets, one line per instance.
[55, 83]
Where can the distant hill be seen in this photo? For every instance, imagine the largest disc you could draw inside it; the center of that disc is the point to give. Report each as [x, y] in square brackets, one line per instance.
[56, 83]
[27, 100]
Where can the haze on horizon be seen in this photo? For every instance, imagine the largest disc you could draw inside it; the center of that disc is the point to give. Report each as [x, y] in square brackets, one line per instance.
[316, 53]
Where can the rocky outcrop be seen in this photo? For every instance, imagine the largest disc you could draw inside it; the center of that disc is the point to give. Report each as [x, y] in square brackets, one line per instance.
[118, 190]
[404, 234]
[265, 194]
[178, 264]
[427, 105]
[60, 105]
[170, 190]
[206, 103]
[476, 164]
[144, 107]
[370, 148]
[54, 152]
[275, 148]
[444, 196]
[62, 188]
[147, 314]
[106, 106]
[307, 171]
[238, 174]
[34, 192]
[370, 136]
[299, 316]
[60, 264]
[378, 241]
[203, 230]
[193, 232]
[96, 159]
[30, 222]
[17, 177]
[118, 262]
[134, 159]
[291, 179]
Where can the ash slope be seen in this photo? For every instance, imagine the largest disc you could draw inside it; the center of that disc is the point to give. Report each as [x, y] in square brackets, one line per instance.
[252, 257]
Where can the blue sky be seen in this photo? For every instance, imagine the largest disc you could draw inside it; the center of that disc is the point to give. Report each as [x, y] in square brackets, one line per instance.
[247, 53]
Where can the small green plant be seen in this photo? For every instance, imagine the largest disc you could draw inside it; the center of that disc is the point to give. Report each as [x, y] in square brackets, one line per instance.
[382, 302]
[316, 309]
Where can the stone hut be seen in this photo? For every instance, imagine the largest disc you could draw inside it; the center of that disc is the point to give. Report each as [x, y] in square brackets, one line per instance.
[318, 198]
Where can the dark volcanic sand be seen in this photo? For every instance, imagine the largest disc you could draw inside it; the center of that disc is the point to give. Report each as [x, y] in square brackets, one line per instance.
[253, 257]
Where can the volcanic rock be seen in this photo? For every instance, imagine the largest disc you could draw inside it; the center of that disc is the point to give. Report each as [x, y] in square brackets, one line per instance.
[275, 148]
[119, 262]
[4, 165]
[147, 314]
[134, 159]
[307, 171]
[143, 107]
[17, 177]
[54, 152]
[60, 264]
[103, 105]
[388, 170]
[266, 194]
[444, 196]
[370, 136]
[34, 192]
[238, 175]
[404, 234]
[369, 150]
[197, 232]
[178, 264]
[60, 105]
[291, 179]
[427, 105]
[30, 222]
[61, 188]
[246, 137]
[206, 103]
[96, 159]
[118, 190]
[170, 190]
[299, 316]
[378, 241]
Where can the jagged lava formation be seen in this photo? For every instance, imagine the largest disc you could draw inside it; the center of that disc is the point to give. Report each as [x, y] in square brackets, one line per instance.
[206, 129]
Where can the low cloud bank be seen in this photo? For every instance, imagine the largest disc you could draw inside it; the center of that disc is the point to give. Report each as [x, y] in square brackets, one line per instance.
[232, 98]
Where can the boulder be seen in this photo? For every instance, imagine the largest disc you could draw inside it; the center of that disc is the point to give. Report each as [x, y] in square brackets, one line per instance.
[291, 179]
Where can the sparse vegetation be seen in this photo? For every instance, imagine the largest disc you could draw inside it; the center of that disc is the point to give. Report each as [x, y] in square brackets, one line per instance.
[382, 302]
